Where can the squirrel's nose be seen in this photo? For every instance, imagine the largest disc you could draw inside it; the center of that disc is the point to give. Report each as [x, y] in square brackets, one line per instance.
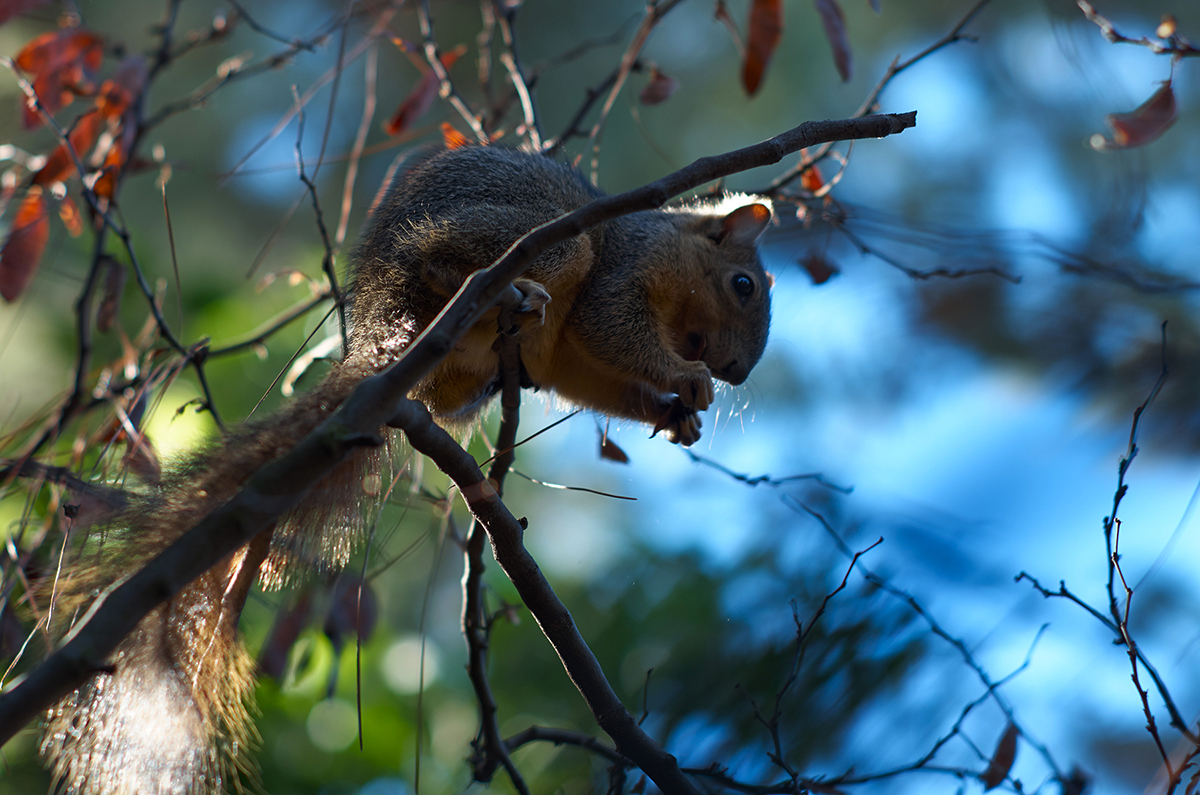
[733, 374]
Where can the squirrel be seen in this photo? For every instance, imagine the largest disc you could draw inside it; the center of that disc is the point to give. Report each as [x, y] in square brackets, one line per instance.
[633, 319]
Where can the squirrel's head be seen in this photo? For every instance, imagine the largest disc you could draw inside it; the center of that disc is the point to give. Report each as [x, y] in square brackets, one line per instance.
[727, 308]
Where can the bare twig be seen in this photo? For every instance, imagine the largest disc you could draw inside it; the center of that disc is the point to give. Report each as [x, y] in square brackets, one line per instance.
[565, 737]
[922, 275]
[448, 91]
[871, 103]
[1122, 487]
[506, 14]
[490, 748]
[360, 140]
[755, 480]
[327, 261]
[377, 30]
[259, 337]
[938, 630]
[1131, 649]
[1176, 46]
[1177, 721]
[193, 355]
[654, 14]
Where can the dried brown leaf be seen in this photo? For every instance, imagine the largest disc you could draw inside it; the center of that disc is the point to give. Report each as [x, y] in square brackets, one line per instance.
[120, 91]
[68, 211]
[1141, 126]
[834, 23]
[59, 165]
[811, 180]
[820, 269]
[762, 37]
[609, 451]
[659, 89]
[1002, 759]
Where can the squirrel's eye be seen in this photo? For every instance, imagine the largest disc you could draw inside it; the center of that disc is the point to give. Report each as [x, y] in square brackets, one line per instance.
[743, 285]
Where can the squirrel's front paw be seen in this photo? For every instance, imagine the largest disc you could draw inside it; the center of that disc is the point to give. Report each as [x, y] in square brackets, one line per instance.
[531, 312]
[695, 387]
[681, 423]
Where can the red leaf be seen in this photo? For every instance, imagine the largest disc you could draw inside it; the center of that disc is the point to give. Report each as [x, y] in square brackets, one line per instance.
[820, 270]
[1150, 120]
[59, 164]
[1002, 759]
[811, 180]
[452, 138]
[26, 241]
[659, 89]
[421, 98]
[12, 8]
[106, 184]
[834, 23]
[60, 63]
[765, 30]
[119, 92]
[68, 211]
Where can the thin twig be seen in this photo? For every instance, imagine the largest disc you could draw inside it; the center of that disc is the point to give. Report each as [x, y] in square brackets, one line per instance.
[447, 89]
[870, 104]
[937, 629]
[327, 260]
[755, 480]
[490, 748]
[1176, 46]
[654, 14]
[360, 140]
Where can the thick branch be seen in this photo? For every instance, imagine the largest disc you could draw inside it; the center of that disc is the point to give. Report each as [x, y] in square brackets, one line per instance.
[506, 533]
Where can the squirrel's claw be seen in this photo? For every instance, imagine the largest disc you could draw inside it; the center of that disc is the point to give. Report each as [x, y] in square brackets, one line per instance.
[531, 312]
[681, 423]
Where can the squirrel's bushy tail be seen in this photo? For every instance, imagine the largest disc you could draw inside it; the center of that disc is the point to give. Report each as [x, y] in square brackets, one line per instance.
[168, 714]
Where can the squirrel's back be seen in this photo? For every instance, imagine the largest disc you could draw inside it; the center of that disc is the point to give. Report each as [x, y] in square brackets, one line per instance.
[456, 210]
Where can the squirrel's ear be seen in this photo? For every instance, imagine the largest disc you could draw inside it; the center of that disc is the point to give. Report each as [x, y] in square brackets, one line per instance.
[744, 225]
